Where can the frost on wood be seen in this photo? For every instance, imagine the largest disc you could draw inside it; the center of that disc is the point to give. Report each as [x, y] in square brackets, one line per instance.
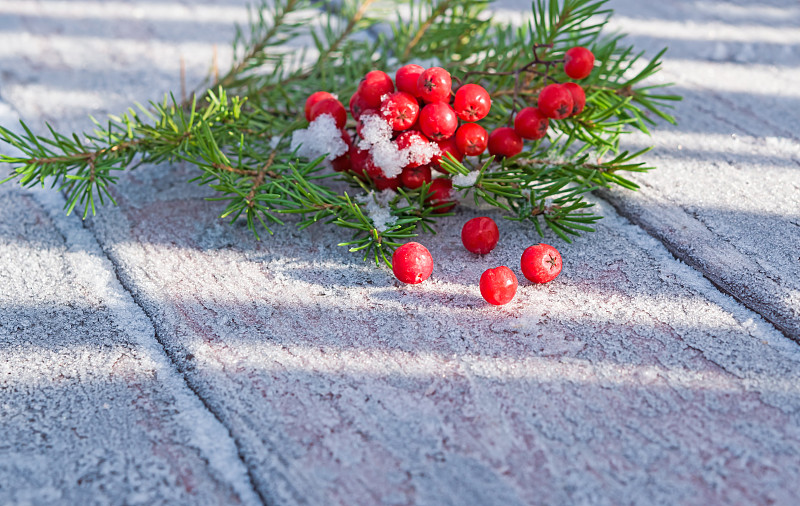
[376, 137]
[376, 207]
[320, 138]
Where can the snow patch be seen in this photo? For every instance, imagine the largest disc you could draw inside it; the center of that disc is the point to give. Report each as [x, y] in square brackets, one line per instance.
[466, 179]
[376, 207]
[320, 138]
[376, 137]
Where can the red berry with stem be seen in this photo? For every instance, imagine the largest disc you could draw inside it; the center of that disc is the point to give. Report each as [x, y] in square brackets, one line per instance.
[408, 139]
[446, 146]
[498, 285]
[480, 235]
[578, 62]
[330, 106]
[414, 177]
[374, 86]
[357, 106]
[472, 102]
[438, 121]
[472, 139]
[504, 141]
[407, 76]
[412, 263]
[312, 101]
[440, 193]
[400, 109]
[434, 85]
[530, 123]
[555, 101]
[578, 97]
[541, 263]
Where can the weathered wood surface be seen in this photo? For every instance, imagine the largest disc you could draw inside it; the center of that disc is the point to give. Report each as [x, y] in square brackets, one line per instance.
[631, 378]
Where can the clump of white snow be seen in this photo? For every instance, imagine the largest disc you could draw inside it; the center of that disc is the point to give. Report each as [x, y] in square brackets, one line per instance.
[376, 136]
[376, 207]
[466, 179]
[319, 138]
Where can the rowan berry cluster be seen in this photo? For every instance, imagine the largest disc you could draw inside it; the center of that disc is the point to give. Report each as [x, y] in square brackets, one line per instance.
[412, 263]
[404, 128]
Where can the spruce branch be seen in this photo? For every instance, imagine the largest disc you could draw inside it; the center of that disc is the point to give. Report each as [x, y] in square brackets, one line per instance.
[236, 133]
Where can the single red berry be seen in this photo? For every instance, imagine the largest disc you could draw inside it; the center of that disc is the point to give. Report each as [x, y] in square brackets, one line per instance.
[361, 162]
[541, 263]
[357, 106]
[313, 99]
[555, 101]
[342, 162]
[446, 146]
[411, 138]
[480, 235]
[504, 141]
[400, 110]
[530, 123]
[330, 106]
[438, 121]
[472, 102]
[414, 177]
[385, 183]
[578, 62]
[407, 76]
[374, 86]
[434, 85]
[498, 285]
[440, 193]
[472, 139]
[578, 97]
[412, 263]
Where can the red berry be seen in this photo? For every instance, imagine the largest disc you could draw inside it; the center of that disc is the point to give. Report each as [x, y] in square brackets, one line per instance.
[578, 62]
[313, 99]
[400, 110]
[440, 193]
[374, 86]
[541, 263]
[472, 139]
[555, 101]
[412, 263]
[357, 106]
[504, 141]
[342, 162]
[434, 85]
[498, 285]
[472, 102]
[410, 138]
[407, 77]
[438, 121]
[480, 235]
[361, 162]
[414, 177]
[384, 183]
[446, 146]
[578, 97]
[330, 106]
[530, 123]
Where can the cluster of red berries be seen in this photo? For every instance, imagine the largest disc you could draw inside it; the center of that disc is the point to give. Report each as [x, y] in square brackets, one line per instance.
[422, 109]
[556, 101]
[412, 263]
